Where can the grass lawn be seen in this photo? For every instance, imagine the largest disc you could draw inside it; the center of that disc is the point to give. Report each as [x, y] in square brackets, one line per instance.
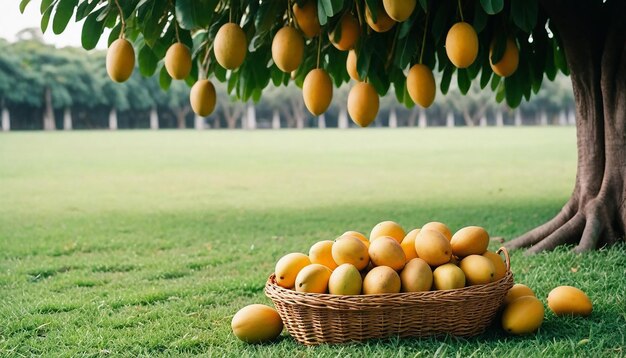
[146, 243]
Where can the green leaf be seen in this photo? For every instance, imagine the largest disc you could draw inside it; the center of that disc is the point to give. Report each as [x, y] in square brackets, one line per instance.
[492, 7]
[45, 6]
[147, 61]
[423, 4]
[64, 12]
[115, 34]
[446, 78]
[480, 18]
[500, 92]
[85, 8]
[485, 76]
[513, 89]
[524, 14]
[23, 4]
[45, 19]
[499, 47]
[92, 30]
[194, 14]
[372, 6]
[464, 81]
[330, 7]
[165, 81]
[495, 81]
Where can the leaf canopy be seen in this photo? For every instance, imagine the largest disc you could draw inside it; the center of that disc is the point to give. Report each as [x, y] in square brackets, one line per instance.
[383, 58]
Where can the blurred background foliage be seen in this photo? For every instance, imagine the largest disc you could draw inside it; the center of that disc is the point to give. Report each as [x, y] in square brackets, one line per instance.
[43, 87]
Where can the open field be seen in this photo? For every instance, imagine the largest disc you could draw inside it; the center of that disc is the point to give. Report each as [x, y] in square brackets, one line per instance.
[146, 243]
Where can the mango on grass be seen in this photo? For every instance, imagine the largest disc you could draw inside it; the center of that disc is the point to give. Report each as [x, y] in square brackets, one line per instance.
[256, 323]
[522, 316]
[569, 300]
[518, 290]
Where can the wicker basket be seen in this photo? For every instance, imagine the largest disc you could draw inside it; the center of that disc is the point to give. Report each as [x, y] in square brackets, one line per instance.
[313, 318]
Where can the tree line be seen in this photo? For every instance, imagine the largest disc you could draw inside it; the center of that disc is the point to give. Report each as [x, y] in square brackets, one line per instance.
[42, 87]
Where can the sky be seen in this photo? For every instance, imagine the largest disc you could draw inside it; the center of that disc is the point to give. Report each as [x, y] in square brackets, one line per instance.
[12, 21]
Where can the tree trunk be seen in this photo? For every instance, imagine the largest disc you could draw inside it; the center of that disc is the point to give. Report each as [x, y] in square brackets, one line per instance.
[6, 118]
[562, 118]
[154, 119]
[113, 119]
[276, 120]
[198, 122]
[342, 120]
[543, 118]
[518, 118]
[321, 121]
[393, 118]
[483, 121]
[67, 119]
[422, 121]
[412, 117]
[48, 114]
[499, 117]
[250, 116]
[595, 215]
[450, 119]
[571, 117]
[180, 118]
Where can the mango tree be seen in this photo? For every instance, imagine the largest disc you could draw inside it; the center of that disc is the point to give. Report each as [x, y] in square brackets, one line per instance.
[250, 44]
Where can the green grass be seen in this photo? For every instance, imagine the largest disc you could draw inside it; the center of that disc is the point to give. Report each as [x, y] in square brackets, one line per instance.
[146, 243]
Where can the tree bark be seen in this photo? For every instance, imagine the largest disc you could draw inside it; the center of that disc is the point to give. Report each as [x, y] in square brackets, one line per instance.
[342, 120]
[48, 114]
[412, 117]
[154, 119]
[518, 118]
[393, 118]
[450, 119]
[595, 215]
[67, 119]
[250, 116]
[321, 121]
[499, 117]
[113, 119]
[422, 120]
[543, 118]
[181, 115]
[6, 118]
[198, 122]
[275, 119]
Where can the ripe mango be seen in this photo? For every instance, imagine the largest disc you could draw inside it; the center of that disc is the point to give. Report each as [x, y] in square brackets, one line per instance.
[387, 228]
[448, 277]
[349, 33]
[230, 46]
[358, 235]
[256, 323]
[386, 251]
[478, 270]
[518, 290]
[383, 21]
[568, 300]
[381, 279]
[120, 60]
[509, 61]
[408, 244]
[345, 280]
[524, 315]
[317, 91]
[178, 61]
[313, 278]
[306, 17]
[470, 240]
[399, 10]
[420, 83]
[287, 268]
[203, 98]
[462, 44]
[350, 250]
[363, 104]
[442, 228]
[416, 276]
[288, 49]
[432, 247]
[351, 66]
[322, 253]
[498, 264]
